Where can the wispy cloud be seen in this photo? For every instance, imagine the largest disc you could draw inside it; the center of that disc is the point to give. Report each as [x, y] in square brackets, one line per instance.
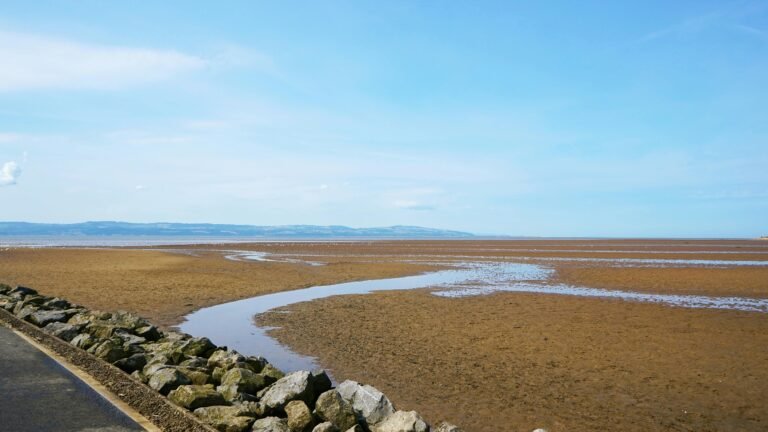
[9, 174]
[42, 62]
[414, 205]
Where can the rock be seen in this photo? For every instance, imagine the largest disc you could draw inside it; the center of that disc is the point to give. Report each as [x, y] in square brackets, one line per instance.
[101, 329]
[21, 292]
[197, 376]
[165, 380]
[81, 318]
[294, 386]
[355, 428]
[256, 364]
[42, 318]
[225, 359]
[321, 382]
[539, 430]
[25, 312]
[195, 362]
[270, 424]
[139, 376]
[193, 397]
[402, 421]
[127, 320]
[62, 330]
[57, 303]
[5, 289]
[148, 332]
[370, 405]
[330, 406]
[325, 427]
[110, 350]
[8, 304]
[232, 394]
[447, 427]
[128, 338]
[197, 347]
[217, 373]
[226, 418]
[83, 341]
[245, 380]
[271, 373]
[299, 417]
[136, 362]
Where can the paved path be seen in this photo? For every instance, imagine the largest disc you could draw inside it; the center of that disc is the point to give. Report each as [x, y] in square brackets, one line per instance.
[37, 394]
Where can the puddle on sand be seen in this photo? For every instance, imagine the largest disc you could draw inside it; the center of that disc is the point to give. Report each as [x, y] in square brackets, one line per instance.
[232, 324]
[267, 257]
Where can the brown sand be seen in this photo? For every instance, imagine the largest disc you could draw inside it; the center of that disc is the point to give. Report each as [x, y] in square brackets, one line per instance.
[164, 286]
[504, 362]
[515, 362]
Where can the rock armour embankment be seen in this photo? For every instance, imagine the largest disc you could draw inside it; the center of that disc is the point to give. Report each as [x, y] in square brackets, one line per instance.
[224, 390]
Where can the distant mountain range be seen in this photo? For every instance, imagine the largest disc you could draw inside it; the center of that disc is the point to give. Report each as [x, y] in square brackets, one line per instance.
[109, 228]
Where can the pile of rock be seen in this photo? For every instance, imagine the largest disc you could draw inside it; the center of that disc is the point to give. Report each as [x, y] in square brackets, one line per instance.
[223, 388]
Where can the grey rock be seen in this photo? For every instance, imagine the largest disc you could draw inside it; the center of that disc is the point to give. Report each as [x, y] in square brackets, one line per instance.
[402, 421]
[294, 386]
[135, 362]
[21, 292]
[271, 373]
[244, 379]
[270, 424]
[62, 330]
[225, 359]
[165, 380]
[43, 318]
[148, 332]
[370, 405]
[193, 397]
[25, 312]
[57, 303]
[110, 350]
[83, 341]
[197, 347]
[355, 428]
[330, 406]
[225, 418]
[195, 362]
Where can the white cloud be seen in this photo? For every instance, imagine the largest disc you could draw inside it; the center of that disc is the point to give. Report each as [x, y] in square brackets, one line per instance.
[414, 205]
[38, 62]
[9, 173]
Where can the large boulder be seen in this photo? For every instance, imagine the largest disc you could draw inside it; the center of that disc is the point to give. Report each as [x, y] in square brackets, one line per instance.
[225, 359]
[370, 405]
[225, 418]
[402, 421]
[244, 379]
[135, 362]
[196, 375]
[21, 292]
[83, 341]
[193, 397]
[25, 312]
[270, 424]
[299, 417]
[330, 406]
[197, 347]
[57, 303]
[294, 386]
[110, 350]
[44, 317]
[167, 379]
[62, 330]
[148, 332]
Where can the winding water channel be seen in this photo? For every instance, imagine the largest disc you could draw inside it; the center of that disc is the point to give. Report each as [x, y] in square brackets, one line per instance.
[232, 324]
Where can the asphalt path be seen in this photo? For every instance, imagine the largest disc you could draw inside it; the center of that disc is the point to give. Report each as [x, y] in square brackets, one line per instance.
[38, 394]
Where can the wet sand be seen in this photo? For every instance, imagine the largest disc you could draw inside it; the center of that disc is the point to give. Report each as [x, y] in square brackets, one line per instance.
[515, 362]
[504, 362]
[164, 286]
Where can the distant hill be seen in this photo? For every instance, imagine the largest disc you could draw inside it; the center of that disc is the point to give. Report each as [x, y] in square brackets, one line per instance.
[108, 228]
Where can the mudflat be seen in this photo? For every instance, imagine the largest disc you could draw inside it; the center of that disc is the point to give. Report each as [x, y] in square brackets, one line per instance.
[506, 361]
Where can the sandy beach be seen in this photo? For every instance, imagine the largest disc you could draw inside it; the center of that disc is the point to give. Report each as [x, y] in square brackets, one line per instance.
[506, 361]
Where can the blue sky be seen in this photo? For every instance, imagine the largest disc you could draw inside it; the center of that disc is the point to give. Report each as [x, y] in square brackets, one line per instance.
[552, 118]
